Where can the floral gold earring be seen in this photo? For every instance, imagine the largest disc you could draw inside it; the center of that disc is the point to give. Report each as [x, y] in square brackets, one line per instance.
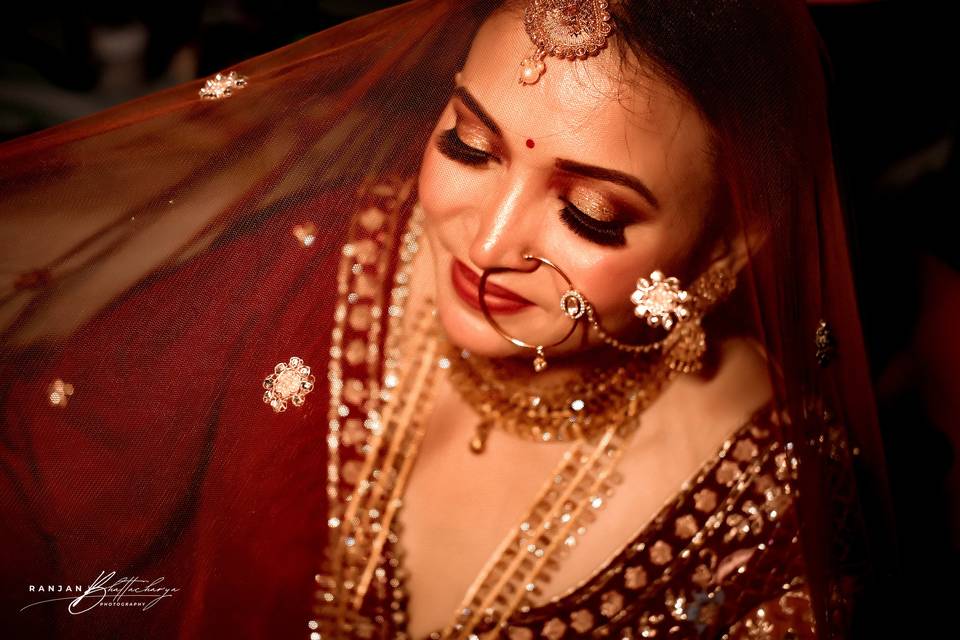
[658, 299]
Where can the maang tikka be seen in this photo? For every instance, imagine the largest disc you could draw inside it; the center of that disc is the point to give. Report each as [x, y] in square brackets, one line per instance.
[658, 299]
[564, 29]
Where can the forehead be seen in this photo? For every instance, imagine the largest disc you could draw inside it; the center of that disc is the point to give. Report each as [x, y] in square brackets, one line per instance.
[587, 110]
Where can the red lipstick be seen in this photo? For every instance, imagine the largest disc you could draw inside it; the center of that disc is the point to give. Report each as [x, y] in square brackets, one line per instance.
[499, 299]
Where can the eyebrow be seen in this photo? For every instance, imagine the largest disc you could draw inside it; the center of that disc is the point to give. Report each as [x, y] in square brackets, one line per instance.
[471, 103]
[569, 166]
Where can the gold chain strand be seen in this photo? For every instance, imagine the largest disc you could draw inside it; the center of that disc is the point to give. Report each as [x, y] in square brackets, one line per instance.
[562, 530]
[513, 575]
[424, 377]
[492, 584]
[514, 541]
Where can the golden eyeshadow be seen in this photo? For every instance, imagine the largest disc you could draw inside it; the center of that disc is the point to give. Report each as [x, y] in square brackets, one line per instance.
[593, 204]
[470, 136]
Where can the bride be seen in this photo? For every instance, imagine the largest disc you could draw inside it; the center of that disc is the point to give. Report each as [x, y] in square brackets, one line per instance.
[468, 320]
[490, 185]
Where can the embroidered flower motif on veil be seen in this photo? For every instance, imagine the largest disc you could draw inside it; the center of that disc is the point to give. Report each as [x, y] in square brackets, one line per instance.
[289, 381]
[222, 85]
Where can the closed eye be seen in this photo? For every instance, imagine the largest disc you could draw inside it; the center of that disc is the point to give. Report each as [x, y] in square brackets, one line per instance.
[606, 233]
[450, 145]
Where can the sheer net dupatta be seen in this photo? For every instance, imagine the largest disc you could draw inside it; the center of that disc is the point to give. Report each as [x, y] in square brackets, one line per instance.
[157, 264]
[159, 259]
[105, 201]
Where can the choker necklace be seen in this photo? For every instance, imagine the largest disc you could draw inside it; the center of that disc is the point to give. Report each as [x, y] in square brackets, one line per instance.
[581, 409]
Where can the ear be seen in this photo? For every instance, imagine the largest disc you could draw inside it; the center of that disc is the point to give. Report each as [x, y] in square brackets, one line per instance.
[733, 252]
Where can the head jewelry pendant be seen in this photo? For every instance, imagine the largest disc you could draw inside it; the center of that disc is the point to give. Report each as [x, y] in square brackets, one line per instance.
[565, 29]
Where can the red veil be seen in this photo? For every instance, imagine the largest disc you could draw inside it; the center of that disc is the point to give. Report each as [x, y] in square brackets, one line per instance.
[161, 257]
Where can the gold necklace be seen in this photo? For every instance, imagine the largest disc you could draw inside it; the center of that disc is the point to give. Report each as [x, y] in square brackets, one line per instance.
[580, 484]
[579, 409]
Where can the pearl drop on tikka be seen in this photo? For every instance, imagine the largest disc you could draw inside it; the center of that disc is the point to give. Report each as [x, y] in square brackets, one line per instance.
[530, 70]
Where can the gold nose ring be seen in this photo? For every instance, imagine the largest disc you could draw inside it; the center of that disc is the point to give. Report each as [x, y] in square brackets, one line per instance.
[572, 303]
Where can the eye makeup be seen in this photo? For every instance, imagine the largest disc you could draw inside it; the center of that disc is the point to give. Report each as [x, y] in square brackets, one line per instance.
[450, 145]
[606, 232]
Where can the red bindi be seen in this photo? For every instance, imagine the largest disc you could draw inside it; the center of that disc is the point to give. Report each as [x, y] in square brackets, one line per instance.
[529, 143]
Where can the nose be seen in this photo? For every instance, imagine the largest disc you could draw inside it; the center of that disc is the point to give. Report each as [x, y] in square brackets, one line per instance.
[508, 227]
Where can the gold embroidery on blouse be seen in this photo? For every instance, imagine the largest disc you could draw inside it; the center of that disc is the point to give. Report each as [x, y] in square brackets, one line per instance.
[372, 218]
[306, 233]
[661, 552]
[706, 500]
[686, 526]
[635, 578]
[357, 279]
[789, 616]
[554, 629]
[701, 607]
[581, 621]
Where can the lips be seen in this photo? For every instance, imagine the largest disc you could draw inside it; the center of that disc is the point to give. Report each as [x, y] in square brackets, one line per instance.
[499, 299]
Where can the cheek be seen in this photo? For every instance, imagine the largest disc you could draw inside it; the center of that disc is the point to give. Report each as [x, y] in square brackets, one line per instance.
[445, 187]
[608, 278]
[431, 184]
[611, 281]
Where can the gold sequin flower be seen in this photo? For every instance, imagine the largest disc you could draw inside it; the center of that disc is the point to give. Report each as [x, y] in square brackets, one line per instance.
[290, 381]
[58, 392]
[635, 577]
[727, 472]
[581, 621]
[705, 499]
[554, 629]
[611, 603]
[745, 450]
[519, 633]
[685, 526]
[661, 553]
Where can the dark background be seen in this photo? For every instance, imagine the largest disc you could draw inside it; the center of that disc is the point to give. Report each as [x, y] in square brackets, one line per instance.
[893, 72]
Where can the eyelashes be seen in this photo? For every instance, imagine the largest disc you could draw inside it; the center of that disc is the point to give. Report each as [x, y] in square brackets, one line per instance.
[604, 233]
[450, 144]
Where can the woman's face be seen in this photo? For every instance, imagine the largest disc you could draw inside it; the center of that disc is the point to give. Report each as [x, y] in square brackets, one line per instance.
[609, 188]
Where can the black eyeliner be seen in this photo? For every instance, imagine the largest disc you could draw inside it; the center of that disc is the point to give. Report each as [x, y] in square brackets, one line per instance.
[610, 235]
[450, 145]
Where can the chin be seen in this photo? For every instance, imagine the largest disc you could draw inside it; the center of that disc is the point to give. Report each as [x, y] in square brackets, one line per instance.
[468, 329]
